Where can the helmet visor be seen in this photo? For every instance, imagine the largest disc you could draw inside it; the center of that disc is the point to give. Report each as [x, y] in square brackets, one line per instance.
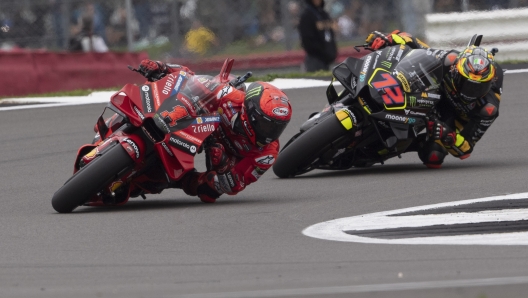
[266, 129]
[471, 90]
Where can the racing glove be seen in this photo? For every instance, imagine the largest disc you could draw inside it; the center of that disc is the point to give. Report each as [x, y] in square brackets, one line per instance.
[440, 131]
[152, 70]
[212, 185]
[377, 40]
[201, 185]
[452, 140]
[461, 148]
[218, 159]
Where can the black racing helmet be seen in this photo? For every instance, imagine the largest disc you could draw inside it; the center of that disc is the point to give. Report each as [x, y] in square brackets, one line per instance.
[473, 73]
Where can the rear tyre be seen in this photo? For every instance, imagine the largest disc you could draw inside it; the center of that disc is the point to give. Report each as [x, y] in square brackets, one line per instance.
[91, 179]
[301, 152]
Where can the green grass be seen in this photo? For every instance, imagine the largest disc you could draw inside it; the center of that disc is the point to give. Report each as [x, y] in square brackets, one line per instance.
[244, 47]
[79, 92]
[266, 78]
[240, 48]
[295, 75]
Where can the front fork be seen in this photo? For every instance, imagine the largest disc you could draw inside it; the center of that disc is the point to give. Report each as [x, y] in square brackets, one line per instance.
[133, 144]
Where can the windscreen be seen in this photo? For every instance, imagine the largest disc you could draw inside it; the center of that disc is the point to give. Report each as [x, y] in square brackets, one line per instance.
[199, 89]
[422, 69]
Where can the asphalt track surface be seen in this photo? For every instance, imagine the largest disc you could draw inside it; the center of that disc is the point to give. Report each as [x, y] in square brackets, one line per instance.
[249, 245]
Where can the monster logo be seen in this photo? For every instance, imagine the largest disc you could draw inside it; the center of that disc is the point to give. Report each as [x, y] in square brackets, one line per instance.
[176, 114]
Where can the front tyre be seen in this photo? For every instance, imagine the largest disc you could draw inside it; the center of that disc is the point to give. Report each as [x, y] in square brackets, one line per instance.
[89, 180]
[302, 151]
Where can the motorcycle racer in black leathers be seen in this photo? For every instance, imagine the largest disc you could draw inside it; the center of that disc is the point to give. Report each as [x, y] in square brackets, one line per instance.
[469, 84]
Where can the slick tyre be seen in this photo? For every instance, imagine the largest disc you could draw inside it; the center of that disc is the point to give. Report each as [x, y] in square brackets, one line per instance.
[301, 152]
[91, 179]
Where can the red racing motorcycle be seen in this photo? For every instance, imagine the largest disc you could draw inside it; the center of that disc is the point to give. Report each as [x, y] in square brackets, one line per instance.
[150, 141]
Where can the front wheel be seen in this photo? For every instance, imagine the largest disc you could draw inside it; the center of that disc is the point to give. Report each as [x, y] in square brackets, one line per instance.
[297, 157]
[91, 179]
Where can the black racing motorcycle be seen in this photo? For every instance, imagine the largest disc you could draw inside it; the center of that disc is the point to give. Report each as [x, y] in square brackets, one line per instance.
[389, 96]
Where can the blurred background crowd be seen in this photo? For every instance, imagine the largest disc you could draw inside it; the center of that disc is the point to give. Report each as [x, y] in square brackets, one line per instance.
[204, 28]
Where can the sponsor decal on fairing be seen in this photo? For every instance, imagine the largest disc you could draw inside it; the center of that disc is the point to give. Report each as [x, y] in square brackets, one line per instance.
[375, 62]
[167, 148]
[134, 146]
[407, 112]
[156, 95]
[203, 128]
[171, 79]
[365, 68]
[141, 116]
[400, 118]
[146, 95]
[177, 113]
[179, 82]
[230, 106]
[391, 53]
[225, 91]
[182, 145]
[147, 133]
[398, 56]
[189, 137]
[403, 80]
[425, 102]
[186, 102]
[208, 119]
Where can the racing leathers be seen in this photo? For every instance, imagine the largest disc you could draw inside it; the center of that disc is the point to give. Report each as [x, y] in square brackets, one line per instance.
[242, 162]
[233, 161]
[459, 124]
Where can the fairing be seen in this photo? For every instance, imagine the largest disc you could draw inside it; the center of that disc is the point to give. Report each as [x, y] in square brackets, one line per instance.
[177, 113]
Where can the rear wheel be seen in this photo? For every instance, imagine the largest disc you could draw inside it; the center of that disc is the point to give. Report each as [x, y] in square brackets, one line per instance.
[297, 157]
[91, 179]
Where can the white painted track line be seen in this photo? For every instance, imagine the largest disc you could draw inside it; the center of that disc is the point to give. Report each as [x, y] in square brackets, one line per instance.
[335, 229]
[368, 288]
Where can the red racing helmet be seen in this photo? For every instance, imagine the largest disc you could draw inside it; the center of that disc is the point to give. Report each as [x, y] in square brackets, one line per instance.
[266, 113]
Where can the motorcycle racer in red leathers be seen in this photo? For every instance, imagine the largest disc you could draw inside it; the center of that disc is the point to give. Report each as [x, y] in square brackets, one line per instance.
[470, 93]
[245, 145]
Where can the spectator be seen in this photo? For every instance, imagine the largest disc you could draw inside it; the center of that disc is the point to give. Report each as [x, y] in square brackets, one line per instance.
[95, 13]
[87, 40]
[496, 4]
[55, 9]
[345, 23]
[443, 6]
[117, 31]
[375, 15]
[27, 28]
[316, 29]
[143, 16]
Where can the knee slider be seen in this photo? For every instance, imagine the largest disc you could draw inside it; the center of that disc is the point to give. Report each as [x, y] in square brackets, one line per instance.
[432, 153]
